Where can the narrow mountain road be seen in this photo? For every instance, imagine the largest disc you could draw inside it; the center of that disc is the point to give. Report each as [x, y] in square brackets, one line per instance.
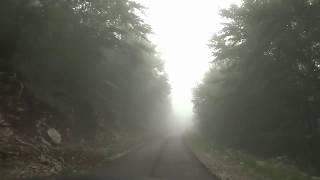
[165, 159]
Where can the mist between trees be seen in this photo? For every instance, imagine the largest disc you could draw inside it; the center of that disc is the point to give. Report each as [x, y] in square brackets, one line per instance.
[89, 63]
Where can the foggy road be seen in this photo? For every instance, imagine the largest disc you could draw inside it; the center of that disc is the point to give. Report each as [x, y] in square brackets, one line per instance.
[167, 159]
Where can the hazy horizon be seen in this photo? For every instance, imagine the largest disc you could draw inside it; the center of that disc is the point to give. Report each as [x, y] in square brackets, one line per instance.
[181, 34]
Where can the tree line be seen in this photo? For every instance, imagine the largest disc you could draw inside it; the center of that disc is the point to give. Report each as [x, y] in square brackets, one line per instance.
[262, 93]
[88, 60]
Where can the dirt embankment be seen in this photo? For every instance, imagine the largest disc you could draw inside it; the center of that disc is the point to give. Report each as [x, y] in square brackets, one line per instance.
[31, 146]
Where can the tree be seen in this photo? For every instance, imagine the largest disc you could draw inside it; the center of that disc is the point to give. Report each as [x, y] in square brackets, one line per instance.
[263, 88]
[85, 59]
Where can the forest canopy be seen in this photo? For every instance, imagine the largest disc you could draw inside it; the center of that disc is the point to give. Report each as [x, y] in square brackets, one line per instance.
[89, 60]
[262, 91]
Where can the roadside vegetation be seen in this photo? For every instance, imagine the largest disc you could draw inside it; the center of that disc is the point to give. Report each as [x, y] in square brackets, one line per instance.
[231, 164]
[79, 82]
[262, 93]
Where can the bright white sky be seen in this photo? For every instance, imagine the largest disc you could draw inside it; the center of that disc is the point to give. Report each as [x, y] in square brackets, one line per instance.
[182, 29]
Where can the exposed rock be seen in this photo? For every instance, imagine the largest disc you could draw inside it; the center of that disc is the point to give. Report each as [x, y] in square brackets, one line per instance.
[54, 135]
[5, 132]
[44, 159]
[45, 142]
[3, 123]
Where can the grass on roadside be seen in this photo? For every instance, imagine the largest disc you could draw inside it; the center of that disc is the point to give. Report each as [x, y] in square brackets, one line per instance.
[278, 168]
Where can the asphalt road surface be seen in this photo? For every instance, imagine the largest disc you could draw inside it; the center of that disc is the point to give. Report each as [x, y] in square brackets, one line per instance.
[165, 159]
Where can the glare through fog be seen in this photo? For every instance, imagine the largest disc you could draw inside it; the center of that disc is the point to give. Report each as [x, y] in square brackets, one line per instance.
[182, 29]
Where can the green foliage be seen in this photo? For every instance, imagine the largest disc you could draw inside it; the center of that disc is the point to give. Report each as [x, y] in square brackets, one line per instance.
[237, 164]
[262, 92]
[88, 59]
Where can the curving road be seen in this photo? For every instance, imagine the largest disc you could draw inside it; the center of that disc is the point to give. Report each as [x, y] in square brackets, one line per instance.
[167, 159]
